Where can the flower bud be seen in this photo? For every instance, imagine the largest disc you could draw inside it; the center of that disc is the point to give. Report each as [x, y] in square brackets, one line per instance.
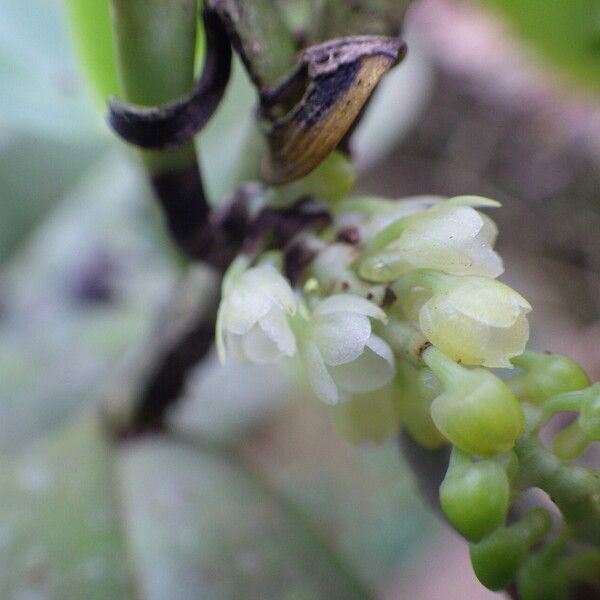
[449, 236]
[497, 558]
[477, 412]
[416, 389]
[253, 315]
[545, 375]
[341, 355]
[370, 417]
[474, 495]
[475, 320]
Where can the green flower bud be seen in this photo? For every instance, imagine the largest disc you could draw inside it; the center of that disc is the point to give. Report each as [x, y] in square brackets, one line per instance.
[497, 558]
[545, 375]
[477, 412]
[417, 388]
[370, 417]
[474, 496]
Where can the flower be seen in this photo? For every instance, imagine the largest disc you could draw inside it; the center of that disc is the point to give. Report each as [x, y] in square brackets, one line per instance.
[474, 320]
[253, 316]
[340, 353]
[449, 236]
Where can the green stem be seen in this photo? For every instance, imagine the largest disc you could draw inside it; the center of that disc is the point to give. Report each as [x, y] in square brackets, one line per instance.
[447, 371]
[155, 47]
[574, 490]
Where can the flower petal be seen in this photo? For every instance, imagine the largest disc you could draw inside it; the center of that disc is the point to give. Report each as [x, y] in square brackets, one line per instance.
[340, 336]
[472, 201]
[259, 348]
[350, 303]
[373, 369]
[274, 285]
[244, 307]
[486, 300]
[276, 327]
[318, 376]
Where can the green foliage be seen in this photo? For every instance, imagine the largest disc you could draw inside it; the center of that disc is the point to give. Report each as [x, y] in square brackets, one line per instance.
[564, 32]
[91, 28]
[60, 533]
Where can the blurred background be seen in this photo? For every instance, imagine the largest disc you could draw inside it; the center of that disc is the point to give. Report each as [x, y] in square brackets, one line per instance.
[498, 98]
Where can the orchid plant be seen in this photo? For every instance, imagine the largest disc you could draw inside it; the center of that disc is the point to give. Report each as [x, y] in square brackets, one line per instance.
[391, 309]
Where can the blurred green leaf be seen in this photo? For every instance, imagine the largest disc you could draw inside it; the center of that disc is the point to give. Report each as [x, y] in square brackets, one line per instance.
[34, 174]
[230, 146]
[59, 537]
[362, 498]
[40, 91]
[90, 24]
[202, 526]
[76, 297]
[564, 32]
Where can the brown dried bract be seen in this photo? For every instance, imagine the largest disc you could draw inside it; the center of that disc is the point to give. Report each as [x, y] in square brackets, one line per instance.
[307, 115]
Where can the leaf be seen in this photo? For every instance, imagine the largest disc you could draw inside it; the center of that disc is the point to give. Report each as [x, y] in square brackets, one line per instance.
[566, 34]
[34, 174]
[91, 29]
[362, 499]
[203, 526]
[75, 299]
[59, 536]
[40, 91]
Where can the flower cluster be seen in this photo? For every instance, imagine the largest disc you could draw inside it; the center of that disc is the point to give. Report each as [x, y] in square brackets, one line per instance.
[395, 321]
[426, 261]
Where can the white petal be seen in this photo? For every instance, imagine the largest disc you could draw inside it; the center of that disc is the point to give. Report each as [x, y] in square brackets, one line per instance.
[506, 343]
[276, 327]
[274, 285]
[489, 231]
[350, 303]
[373, 369]
[244, 307]
[219, 335]
[258, 348]
[318, 376]
[473, 201]
[340, 336]
[486, 300]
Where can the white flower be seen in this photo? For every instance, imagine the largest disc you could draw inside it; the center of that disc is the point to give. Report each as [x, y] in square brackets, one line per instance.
[449, 236]
[340, 353]
[253, 317]
[476, 320]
